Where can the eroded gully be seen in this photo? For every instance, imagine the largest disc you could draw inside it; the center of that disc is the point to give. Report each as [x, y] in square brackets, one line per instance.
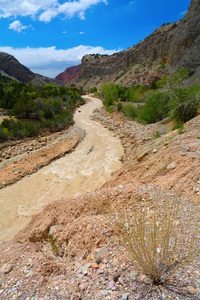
[82, 171]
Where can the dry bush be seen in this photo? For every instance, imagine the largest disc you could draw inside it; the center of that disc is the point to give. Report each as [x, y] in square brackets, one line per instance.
[159, 231]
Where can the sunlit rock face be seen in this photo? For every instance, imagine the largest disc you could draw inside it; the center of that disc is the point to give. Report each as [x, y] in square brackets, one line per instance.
[176, 44]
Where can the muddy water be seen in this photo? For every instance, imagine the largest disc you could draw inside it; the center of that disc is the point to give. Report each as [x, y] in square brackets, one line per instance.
[85, 169]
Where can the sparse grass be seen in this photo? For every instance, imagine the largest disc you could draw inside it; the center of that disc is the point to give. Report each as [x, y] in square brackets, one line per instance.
[180, 127]
[156, 135]
[160, 232]
[54, 246]
[162, 66]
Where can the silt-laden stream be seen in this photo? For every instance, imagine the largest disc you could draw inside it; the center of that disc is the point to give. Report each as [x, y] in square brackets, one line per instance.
[84, 170]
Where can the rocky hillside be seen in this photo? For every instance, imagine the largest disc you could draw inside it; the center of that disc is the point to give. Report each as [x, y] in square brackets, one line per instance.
[169, 47]
[69, 74]
[13, 69]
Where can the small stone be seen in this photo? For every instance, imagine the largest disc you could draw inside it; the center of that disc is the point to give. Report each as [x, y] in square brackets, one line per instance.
[116, 193]
[198, 153]
[7, 268]
[98, 259]
[84, 269]
[99, 253]
[30, 262]
[83, 287]
[121, 186]
[191, 290]
[183, 153]
[134, 286]
[111, 284]
[133, 275]
[143, 278]
[53, 230]
[185, 149]
[155, 150]
[172, 166]
[95, 266]
[104, 292]
[141, 156]
[38, 270]
[116, 275]
[124, 297]
[29, 274]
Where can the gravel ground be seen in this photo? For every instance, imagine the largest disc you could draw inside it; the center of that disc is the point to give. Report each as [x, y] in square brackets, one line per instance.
[34, 271]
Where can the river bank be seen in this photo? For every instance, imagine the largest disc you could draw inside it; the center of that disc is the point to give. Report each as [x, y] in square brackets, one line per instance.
[86, 168]
[26, 157]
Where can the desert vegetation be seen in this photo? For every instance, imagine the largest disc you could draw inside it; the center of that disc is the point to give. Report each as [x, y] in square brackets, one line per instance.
[159, 235]
[34, 109]
[166, 98]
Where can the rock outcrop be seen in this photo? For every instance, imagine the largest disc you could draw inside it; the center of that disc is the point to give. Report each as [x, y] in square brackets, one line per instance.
[175, 45]
[69, 74]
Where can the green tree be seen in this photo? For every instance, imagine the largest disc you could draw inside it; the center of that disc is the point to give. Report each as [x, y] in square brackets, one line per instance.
[156, 107]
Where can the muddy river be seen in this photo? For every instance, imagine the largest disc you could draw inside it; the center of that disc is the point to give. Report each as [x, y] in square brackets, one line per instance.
[82, 171]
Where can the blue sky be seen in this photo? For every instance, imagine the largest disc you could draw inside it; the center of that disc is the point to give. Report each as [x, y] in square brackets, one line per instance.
[48, 36]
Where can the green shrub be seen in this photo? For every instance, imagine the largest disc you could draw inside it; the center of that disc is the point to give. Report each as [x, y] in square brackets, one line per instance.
[130, 111]
[184, 104]
[44, 106]
[93, 90]
[109, 92]
[112, 92]
[30, 129]
[4, 134]
[156, 108]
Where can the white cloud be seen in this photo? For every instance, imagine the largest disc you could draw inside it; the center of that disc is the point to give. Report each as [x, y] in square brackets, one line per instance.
[48, 15]
[46, 10]
[183, 13]
[81, 32]
[17, 26]
[51, 61]
[24, 7]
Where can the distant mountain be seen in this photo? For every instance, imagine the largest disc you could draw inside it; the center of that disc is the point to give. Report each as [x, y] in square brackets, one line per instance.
[10, 67]
[168, 48]
[69, 74]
